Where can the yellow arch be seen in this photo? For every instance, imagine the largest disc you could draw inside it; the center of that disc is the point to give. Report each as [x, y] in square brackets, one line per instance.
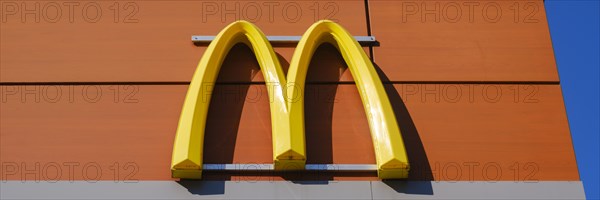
[287, 114]
[390, 153]
[187, 150]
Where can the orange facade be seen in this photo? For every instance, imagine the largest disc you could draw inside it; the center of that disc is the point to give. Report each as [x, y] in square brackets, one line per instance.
[476, 98]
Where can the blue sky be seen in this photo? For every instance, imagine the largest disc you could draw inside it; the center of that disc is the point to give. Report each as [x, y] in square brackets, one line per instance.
[575, 38]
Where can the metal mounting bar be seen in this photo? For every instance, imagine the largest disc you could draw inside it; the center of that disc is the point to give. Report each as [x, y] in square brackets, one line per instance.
[308, 167]
[285, 40]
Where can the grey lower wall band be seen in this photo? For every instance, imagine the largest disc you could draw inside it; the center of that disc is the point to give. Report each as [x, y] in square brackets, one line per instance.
[291, 190]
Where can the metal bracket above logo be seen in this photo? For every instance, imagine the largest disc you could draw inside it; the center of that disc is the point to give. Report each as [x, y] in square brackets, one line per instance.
[279, 40]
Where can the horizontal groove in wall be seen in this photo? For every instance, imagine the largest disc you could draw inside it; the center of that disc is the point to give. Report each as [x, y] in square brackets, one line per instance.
[309, 83]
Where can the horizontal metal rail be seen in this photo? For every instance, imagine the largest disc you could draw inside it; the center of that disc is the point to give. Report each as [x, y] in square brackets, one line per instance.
[308, 167]
[285, 40]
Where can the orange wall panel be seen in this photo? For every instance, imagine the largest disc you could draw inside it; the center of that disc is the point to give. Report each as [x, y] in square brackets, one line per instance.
[463, 40]
[153, 44]
[492, 135]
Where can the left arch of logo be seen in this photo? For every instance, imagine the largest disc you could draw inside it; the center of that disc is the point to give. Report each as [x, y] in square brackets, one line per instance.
[287, 116]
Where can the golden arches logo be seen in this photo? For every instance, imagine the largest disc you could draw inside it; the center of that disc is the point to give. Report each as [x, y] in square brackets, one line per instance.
[288, 116]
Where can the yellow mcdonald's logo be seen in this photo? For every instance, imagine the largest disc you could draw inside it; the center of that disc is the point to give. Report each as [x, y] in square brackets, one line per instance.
[288, 116]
